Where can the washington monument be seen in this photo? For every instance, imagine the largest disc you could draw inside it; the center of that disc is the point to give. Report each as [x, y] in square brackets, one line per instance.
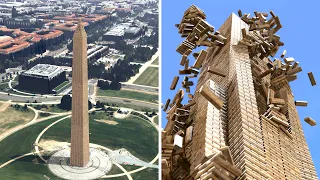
[79, 155]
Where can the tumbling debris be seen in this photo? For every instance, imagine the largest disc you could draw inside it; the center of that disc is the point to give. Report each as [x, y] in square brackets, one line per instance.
[211, 97]
[258, 104]
[311, 78]
[301, 103]
[310, 121]
[166, 105]
[178, 141]
[200, 59]
[174, 83]
[217, 71]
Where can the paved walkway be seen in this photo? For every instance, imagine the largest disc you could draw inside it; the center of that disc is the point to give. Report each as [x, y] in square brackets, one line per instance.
[17, 128]
[143, 68]
[14, 159]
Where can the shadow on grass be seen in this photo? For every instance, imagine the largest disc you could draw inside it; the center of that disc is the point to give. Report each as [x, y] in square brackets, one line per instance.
[32, 159]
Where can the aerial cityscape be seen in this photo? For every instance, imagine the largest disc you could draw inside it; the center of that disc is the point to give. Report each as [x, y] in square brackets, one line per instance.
[79, 89]
[159, 89]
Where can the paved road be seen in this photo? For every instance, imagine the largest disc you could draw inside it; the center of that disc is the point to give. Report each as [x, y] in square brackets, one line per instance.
[20, 98]
[127, 101]
[137, 87]
[56, 99]
[143, 68]
[122, 156]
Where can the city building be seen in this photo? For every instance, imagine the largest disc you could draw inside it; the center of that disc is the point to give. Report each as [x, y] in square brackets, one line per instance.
[42, 78]
[115, 33]
[17, 43]
[132, 32]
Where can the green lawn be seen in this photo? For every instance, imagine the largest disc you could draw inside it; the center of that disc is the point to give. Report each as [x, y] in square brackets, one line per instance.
[156, 61]
[54, 109]
[134, 134]
[149, 77]
[147, 174]
[20, 142]
[156, 120]
[116, 170]
[4, 86]
[61, 86]
[26, 170]
[129, 94]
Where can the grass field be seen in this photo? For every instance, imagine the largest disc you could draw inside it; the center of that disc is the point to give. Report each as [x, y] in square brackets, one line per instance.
[132, 133]
[62, 86]
[156, 61]
[26, 170]
[54, 109]
[149, 77]
[4, 86]
[12, 117]
[20, 142]
[128, 94]
[156, 120]
[147, 174]
[116, 170]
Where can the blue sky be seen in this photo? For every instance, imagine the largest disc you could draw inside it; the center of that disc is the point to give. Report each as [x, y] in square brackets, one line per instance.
[300, 33]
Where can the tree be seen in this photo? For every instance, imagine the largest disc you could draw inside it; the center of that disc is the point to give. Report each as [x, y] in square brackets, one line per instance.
[66, 103]
[114, 85]
[100, 105]
[25, 107]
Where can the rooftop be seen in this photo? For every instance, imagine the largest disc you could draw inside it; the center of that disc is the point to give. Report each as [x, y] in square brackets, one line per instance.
[44, 70]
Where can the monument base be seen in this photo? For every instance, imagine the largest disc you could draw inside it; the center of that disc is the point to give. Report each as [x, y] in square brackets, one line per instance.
[98, 165]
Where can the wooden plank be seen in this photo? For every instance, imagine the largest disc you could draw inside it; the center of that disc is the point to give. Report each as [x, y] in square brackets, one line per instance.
[178, 142]
[311, 78]
[217, 71]
[166, 105]
[294, 71]
[278, 101]
[301, 103]
[188, 136]
[310, 121]
[279, 121]
[289, 60]
[200, 59]
[240, 13]
[174, 83]
[291, 77]
[206, 92]
[188, 105]
[185, 71]
[265, 73]
[283, 53]
[286, 132]
[183, 60]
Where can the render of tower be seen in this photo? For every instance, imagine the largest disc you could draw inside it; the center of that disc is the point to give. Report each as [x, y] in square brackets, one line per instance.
[238, 124]
[79, 122]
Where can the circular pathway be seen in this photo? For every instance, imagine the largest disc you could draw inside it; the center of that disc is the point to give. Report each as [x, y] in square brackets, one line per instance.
[99, 164]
